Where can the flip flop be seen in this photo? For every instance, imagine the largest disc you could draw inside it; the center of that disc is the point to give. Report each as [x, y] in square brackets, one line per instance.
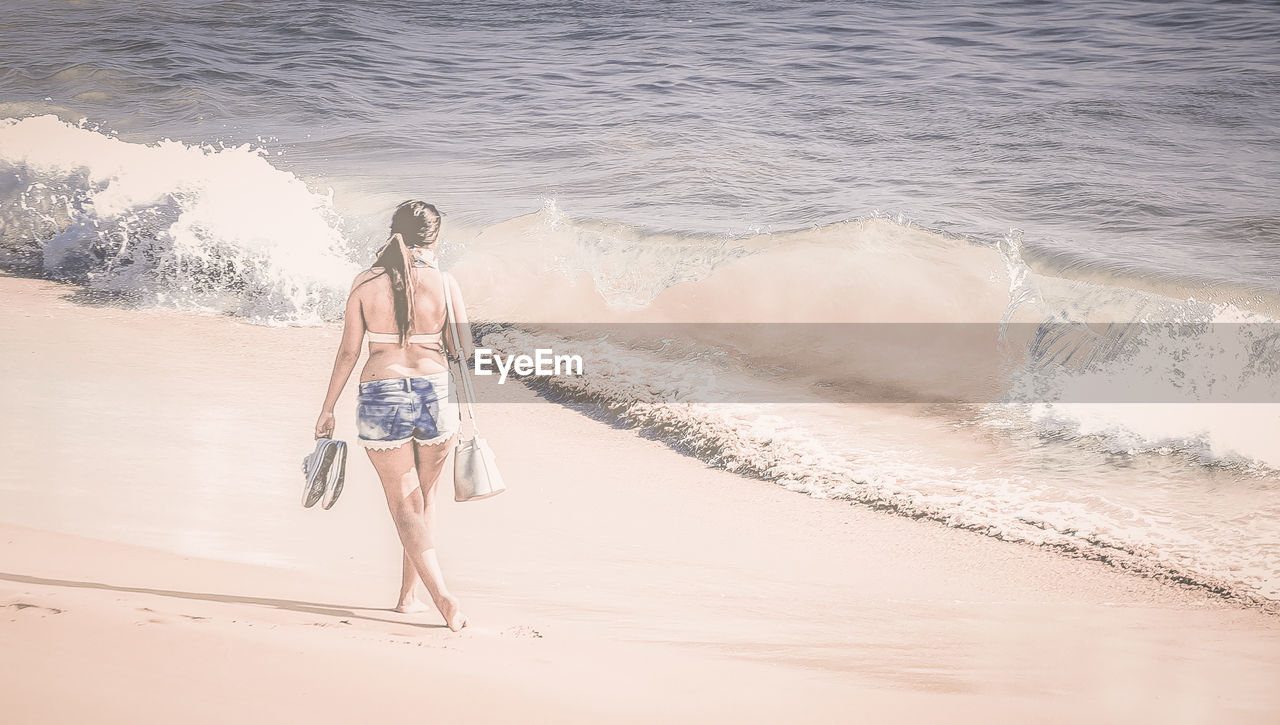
[316, 468]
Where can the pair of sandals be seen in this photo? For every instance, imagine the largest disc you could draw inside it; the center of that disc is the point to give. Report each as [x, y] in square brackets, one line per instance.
[325, 471]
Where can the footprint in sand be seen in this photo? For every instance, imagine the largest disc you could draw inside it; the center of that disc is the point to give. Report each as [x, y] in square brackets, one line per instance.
[522, 631]
[24, 605]
[162, 618]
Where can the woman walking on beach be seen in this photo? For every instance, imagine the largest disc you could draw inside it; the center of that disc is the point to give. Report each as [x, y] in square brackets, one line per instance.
[404, 417]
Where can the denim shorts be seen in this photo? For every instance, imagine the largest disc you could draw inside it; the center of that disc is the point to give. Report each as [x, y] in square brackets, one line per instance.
[390, 413]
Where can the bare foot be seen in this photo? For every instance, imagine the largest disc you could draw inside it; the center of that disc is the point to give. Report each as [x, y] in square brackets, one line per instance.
[411, 606]
[452, 612]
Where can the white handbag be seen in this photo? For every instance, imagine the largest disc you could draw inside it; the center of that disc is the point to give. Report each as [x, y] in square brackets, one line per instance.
[475, 474]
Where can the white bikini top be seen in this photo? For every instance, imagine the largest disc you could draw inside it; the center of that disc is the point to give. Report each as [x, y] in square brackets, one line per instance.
[430, 338]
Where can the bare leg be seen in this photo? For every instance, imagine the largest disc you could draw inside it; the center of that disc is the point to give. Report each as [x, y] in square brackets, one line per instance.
[408, 602]
[430, 464]
[409, 580]
[407, 499]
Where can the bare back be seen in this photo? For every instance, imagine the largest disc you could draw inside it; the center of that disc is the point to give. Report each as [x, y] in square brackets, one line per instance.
[391, 360]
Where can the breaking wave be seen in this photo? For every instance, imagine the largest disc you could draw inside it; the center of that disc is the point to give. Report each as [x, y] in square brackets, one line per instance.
[174, 224]
[223, 229]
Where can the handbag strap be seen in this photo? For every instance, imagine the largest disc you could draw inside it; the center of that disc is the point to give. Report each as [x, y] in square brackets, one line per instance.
[468, 393]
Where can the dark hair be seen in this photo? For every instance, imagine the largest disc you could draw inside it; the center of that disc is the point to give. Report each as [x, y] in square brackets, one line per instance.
[414, 224]
[394, 260]
[417, 222]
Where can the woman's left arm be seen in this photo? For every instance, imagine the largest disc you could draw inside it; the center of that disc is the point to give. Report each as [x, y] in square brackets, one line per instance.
[465, 347]
[344, 363]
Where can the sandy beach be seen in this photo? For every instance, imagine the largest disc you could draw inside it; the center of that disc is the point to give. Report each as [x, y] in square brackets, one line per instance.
[921, 362]
[157, 566]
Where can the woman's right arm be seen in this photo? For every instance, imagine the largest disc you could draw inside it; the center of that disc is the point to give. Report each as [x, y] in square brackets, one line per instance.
[345, 362]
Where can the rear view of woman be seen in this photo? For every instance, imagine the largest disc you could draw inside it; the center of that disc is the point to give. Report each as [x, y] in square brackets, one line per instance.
[404, 417]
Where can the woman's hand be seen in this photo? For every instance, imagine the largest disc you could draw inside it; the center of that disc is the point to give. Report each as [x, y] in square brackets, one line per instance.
[324, 425]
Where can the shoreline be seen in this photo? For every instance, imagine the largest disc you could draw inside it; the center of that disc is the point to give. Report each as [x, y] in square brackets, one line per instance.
[638, 569]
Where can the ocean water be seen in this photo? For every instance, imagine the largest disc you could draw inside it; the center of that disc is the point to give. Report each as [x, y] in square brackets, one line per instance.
[1057, 165]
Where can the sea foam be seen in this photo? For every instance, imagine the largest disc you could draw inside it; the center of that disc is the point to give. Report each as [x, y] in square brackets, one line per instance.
[190, 226]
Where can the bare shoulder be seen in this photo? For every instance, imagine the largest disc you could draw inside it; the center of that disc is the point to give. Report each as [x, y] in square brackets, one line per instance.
[365, 276]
